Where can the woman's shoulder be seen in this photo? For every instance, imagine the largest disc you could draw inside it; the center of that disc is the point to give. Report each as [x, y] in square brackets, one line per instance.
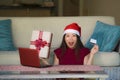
[85, 50]
[57, 50]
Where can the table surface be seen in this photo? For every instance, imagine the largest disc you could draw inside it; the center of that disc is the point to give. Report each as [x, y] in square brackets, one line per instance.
[61, 71]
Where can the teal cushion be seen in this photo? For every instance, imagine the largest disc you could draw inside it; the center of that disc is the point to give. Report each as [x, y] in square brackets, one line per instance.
[107, 36]
[6, 41]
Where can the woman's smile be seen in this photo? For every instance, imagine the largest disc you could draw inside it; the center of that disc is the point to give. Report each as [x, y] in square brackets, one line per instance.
[71, 43]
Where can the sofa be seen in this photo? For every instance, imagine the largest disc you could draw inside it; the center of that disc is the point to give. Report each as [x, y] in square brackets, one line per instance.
[22, 27]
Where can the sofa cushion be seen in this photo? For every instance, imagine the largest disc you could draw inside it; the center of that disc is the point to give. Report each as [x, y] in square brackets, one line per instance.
[107, 59]
[6, 42]
[9, 58]
[107, 36]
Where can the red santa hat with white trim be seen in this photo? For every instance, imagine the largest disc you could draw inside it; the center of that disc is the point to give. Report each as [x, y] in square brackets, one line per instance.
[73, 28]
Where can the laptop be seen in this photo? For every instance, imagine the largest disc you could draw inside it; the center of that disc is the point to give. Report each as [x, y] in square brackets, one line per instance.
[30, 57]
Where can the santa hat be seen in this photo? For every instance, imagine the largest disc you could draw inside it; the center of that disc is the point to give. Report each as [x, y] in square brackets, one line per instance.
[73, 28]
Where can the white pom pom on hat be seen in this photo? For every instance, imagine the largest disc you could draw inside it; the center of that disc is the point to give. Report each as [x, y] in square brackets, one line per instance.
[73, 28]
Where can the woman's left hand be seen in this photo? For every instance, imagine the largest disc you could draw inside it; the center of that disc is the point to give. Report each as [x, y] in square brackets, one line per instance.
[94, 50]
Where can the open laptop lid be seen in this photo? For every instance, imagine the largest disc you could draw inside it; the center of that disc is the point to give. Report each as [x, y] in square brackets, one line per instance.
[29, 57]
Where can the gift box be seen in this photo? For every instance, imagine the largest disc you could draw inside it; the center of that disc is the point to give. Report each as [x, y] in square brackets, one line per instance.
[41, 41]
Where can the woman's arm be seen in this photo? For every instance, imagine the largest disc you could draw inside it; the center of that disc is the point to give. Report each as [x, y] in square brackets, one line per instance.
[88, 60]
[56, 60]
[46, 62]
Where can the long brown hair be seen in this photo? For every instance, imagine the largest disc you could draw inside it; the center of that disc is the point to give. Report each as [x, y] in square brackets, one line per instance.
[78, 45]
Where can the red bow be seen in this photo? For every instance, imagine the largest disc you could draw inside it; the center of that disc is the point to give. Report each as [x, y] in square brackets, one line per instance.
[39, 42]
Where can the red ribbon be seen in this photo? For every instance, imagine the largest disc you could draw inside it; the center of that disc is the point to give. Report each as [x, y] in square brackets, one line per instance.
[39, 42]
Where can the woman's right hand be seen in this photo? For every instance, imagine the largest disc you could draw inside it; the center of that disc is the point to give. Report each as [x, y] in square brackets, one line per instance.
[44, 61]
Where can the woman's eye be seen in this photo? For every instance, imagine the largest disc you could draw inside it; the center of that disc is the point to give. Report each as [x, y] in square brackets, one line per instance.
[67, 36]
[74, 35]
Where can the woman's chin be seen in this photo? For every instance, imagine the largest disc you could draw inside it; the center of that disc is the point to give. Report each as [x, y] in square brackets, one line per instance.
[72, 47]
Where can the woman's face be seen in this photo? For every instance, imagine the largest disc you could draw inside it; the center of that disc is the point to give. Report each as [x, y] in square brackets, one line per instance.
[71, 40]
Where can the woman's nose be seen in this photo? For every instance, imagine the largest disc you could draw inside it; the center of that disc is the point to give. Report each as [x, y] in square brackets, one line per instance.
[71, 38]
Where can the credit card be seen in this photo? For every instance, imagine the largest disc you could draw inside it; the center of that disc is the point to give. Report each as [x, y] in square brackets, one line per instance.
[94, 41]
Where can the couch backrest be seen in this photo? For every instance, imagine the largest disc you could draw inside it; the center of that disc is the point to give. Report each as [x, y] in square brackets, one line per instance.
[22, 27]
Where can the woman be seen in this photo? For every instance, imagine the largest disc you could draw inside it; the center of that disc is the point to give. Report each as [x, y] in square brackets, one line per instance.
[72, 51]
